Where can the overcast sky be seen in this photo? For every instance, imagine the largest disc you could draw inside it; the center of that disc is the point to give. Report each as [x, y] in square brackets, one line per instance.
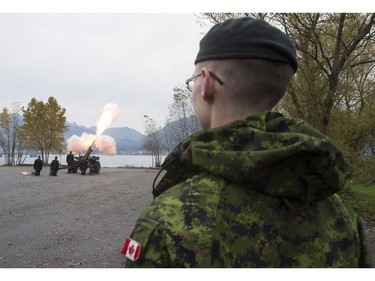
[88, 60]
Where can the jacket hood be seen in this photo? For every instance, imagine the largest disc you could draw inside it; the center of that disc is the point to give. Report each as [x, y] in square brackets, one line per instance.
[280, 156]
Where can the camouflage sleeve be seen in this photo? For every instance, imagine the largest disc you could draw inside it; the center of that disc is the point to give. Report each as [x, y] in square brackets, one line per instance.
[154, 252]
[176, 229]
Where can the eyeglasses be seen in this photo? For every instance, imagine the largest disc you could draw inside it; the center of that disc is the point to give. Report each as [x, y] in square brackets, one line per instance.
[190, 82]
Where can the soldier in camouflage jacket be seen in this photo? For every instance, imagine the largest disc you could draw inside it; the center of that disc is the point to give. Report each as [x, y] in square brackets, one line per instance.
[254, 188]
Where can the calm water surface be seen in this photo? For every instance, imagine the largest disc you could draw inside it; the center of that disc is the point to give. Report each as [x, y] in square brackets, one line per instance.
[105, 160]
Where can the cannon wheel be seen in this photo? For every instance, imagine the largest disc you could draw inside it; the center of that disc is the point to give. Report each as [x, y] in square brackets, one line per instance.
[97, 167]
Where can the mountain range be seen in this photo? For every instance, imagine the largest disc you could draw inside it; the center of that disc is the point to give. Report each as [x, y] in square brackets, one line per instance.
[128, 141]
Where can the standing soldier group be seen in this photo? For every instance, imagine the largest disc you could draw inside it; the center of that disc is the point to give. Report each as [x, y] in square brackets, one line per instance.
[54, 167]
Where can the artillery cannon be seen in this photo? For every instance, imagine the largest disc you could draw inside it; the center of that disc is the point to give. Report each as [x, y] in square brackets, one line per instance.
[85, 162]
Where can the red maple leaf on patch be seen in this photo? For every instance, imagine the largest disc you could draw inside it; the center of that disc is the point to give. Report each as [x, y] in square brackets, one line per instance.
[131, 250]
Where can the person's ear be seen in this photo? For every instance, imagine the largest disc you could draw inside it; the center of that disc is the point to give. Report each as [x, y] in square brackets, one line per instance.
[208, 85]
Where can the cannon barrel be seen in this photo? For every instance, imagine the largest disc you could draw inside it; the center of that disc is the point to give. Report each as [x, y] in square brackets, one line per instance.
[89, 150]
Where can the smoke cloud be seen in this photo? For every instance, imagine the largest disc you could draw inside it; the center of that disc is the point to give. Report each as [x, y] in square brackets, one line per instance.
[106, 118]
[103, 143]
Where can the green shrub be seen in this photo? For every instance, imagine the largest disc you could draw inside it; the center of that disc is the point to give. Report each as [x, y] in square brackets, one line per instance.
[361, 198]
[364, 171]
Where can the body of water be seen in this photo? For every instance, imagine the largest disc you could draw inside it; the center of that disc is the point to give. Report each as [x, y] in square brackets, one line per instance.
[105, 160]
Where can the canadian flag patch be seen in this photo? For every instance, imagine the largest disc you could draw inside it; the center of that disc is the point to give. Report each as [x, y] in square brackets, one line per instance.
[131, 249]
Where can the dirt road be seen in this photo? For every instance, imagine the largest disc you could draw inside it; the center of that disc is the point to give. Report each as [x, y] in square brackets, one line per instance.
[73, 220]
[69, 220]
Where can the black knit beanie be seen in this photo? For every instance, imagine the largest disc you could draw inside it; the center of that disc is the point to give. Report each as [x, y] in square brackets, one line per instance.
[247, 38]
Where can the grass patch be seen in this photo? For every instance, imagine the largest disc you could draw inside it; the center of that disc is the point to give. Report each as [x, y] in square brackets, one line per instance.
[361, 198]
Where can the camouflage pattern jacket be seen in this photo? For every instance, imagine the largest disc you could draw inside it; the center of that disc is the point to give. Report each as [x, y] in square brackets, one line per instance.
[254, 193]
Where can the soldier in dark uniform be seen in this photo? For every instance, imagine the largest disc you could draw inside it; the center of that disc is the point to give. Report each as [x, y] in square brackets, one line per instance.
[38, 166]
[54, 167]
[254, 188]
[70, 161]
[84, 163]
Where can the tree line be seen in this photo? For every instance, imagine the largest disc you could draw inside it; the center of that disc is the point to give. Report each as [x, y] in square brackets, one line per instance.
[37, 128]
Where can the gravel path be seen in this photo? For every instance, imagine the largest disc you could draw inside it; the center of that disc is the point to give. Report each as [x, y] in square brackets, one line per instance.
[69, 220]
[73, 220]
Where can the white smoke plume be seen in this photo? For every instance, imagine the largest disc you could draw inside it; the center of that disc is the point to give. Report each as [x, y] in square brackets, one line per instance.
[106, 118]
[105, 144]
[77, 144]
